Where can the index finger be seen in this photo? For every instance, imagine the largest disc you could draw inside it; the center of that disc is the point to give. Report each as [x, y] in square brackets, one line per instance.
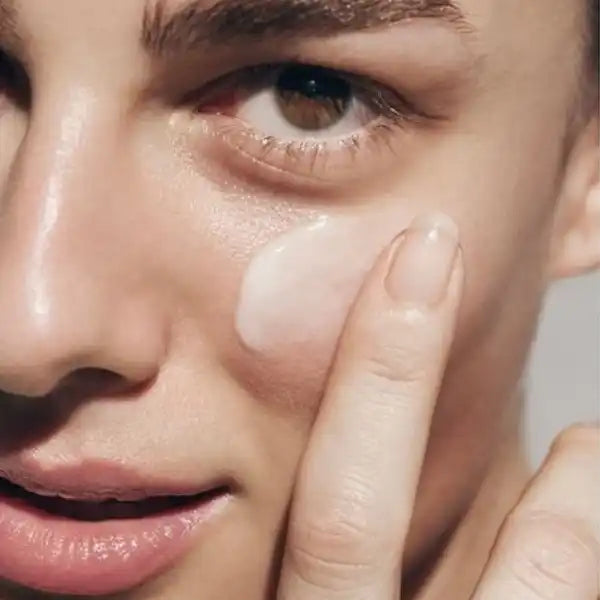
[357, 483]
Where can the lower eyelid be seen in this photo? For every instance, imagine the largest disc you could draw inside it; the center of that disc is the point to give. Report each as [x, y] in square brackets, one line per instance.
[325, 165]
[264, 157]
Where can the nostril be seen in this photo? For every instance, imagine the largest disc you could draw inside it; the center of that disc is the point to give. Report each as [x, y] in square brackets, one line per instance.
[25, 420]
[15, 81]
[88, 383]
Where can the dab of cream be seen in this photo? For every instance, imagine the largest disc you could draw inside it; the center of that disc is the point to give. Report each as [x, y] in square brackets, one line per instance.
[298, 289]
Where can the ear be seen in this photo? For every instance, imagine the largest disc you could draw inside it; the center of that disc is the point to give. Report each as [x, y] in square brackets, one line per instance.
[575, 247]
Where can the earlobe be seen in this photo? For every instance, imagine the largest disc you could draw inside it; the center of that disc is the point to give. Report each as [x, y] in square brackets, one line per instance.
[576, 238]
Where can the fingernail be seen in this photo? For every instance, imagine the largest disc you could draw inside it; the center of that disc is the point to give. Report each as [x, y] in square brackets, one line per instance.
[423, 261]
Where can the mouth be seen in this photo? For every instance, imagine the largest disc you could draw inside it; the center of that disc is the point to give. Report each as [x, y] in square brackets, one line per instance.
[105, 507]
[99, 530]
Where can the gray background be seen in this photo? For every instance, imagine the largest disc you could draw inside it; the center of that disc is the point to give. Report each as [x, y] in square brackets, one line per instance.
[564, 375]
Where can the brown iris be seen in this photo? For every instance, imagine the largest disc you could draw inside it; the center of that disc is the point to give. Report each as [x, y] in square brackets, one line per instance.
[312, 98]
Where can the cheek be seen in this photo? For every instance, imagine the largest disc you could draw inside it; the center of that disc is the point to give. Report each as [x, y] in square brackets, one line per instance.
[298, 289]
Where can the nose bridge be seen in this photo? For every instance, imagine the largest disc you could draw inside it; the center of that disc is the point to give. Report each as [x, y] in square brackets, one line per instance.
[48, 206]
[36, 206]
[59, 309]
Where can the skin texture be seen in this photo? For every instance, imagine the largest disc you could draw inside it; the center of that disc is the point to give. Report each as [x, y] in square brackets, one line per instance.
[126, 230]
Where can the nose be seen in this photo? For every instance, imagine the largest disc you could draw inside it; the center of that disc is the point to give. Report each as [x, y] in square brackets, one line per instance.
[74, 296]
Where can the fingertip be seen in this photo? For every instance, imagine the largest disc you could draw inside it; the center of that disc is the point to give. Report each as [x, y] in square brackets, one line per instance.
[423, 262]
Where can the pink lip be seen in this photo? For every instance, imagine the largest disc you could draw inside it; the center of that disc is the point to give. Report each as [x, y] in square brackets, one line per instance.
[59, 555]
[94, 480]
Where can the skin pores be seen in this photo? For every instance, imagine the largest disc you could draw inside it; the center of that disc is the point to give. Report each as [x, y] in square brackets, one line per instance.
[298, 289]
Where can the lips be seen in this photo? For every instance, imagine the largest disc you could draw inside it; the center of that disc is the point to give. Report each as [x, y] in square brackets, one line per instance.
[61, 534]
[96, 480]
[105, 507]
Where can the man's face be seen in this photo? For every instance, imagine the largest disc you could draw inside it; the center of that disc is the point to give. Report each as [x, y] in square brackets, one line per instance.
[137, 197]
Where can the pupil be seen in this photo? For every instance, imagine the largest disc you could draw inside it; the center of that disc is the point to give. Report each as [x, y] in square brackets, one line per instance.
[313, 98]
[314, 83]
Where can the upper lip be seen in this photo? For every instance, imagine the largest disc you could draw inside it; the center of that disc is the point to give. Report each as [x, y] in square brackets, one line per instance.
[100, 480]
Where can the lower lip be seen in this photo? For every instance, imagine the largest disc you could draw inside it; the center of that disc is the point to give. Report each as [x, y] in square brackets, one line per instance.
[58, 555]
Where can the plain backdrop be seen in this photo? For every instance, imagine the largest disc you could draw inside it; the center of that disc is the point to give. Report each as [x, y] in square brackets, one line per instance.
[564, 375]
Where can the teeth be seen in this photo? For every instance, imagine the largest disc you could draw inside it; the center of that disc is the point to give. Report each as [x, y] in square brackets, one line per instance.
[102, 505]
[99, 496]
[40, 492]
[107, 510]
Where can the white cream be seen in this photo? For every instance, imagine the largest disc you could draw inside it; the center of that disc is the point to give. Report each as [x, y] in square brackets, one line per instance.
[298, 289]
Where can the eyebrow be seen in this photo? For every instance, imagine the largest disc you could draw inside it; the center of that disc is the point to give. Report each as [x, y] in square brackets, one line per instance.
[195, 25]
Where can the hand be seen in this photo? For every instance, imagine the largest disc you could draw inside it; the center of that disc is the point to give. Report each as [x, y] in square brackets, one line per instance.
[549, 547]
[357, 483]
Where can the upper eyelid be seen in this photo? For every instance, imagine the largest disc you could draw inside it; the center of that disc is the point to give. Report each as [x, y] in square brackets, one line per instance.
[266, 74]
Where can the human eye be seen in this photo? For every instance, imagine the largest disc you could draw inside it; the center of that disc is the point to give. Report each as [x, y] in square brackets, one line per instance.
[305, 120]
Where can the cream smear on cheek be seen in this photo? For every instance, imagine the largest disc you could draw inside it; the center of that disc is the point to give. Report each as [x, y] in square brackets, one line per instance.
[298, 289]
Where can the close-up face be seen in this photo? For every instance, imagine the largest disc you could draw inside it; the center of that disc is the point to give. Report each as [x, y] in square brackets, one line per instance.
[191, 195]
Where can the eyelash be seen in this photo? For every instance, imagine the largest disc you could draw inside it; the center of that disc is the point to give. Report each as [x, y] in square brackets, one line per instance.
[308, 158]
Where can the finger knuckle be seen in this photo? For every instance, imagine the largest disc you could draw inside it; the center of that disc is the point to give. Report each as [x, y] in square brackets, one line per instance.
[396, 365]
[392, 355]
[578, 438]
[550, 554]
[336, 552]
